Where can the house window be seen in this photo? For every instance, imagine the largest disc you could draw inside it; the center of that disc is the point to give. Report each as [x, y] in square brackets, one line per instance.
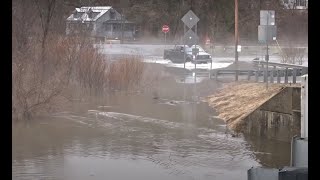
[90, 27]
[301, 3]
[107, 27]
[116, 27]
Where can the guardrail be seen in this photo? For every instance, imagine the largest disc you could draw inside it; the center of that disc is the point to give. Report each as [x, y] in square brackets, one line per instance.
[272, 74]
[284, 65]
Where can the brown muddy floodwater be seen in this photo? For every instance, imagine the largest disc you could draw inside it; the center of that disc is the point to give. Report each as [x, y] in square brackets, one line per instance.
[166, 134]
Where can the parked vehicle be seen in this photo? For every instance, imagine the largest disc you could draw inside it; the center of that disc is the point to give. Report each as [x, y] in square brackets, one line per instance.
[191, 54]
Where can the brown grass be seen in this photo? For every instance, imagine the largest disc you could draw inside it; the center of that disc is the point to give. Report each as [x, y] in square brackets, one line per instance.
[235, 101]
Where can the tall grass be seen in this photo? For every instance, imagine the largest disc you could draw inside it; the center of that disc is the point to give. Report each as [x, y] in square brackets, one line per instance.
[125, 73]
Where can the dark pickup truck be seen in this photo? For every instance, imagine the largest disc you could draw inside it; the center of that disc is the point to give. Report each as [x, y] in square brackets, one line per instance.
[179, 52]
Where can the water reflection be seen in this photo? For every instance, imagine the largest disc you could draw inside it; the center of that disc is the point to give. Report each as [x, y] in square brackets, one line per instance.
[268, 152]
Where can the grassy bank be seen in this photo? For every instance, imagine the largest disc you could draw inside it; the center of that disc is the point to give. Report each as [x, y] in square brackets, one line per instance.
[235, 101]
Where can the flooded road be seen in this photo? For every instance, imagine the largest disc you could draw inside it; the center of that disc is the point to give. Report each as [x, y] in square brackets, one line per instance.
[169, 133]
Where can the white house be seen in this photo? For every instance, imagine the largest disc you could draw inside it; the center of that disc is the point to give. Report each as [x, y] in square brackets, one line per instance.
[101, 22]
[295, 4]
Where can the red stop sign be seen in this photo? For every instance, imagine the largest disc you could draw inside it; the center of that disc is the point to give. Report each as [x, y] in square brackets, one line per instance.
[165, 28]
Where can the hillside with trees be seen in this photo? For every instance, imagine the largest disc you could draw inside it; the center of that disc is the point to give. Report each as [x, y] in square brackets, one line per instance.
[216, 17]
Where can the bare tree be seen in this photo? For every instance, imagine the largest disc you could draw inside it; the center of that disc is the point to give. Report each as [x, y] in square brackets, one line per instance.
[45, 10]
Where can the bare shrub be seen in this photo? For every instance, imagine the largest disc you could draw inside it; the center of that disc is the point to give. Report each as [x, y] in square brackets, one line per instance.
[32, 89]
[125, 73]
[300, 55]
[293, 55]
[90, 70]
[70, 63]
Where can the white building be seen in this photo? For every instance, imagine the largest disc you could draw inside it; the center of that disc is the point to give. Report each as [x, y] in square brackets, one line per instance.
[101, 22]
[295, 4]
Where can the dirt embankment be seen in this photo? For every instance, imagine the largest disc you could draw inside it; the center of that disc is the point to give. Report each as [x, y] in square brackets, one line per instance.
[235, 101]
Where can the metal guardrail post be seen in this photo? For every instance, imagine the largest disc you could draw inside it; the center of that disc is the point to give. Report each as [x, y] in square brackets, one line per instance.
[279, 76]
[272, 74]
[294, 75]
[216, 74]
[286, 76]
[249, 75]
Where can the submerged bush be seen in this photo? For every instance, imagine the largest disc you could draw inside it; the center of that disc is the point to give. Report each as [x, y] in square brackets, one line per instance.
[125, 73]
[69, 64]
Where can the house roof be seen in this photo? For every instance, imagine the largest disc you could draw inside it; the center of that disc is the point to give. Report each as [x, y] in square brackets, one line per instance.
[118, 21]
[83, 13]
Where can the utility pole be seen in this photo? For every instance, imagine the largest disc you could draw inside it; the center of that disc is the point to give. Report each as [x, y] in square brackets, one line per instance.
[267, 56]
[236, 35]
[122, 19]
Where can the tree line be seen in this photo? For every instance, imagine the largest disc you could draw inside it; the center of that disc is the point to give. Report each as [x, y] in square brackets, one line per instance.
[216, 16]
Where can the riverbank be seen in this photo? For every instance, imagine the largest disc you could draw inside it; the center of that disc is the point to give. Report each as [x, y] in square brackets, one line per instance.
[235, 101]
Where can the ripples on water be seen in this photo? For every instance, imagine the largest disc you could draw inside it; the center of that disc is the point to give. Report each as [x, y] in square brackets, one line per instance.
[169, 149]
[157, 139]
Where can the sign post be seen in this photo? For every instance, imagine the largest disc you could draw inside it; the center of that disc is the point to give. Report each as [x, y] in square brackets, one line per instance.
[190, 37]
[267, 33]
[165, 29]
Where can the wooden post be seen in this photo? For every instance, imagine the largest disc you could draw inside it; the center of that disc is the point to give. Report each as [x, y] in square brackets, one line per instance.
[257, 75]
[294, 75]
[286, 76]
[279, 76]
[273, 74]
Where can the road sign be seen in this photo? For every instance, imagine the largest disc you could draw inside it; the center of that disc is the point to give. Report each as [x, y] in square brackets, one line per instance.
[207, 41]
[267, 17]
[239, 48]
[190, 19]
[165, 28]
[267, 33]
[190, 38]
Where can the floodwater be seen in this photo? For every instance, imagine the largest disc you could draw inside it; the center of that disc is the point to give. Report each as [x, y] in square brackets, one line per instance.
[169, 134]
